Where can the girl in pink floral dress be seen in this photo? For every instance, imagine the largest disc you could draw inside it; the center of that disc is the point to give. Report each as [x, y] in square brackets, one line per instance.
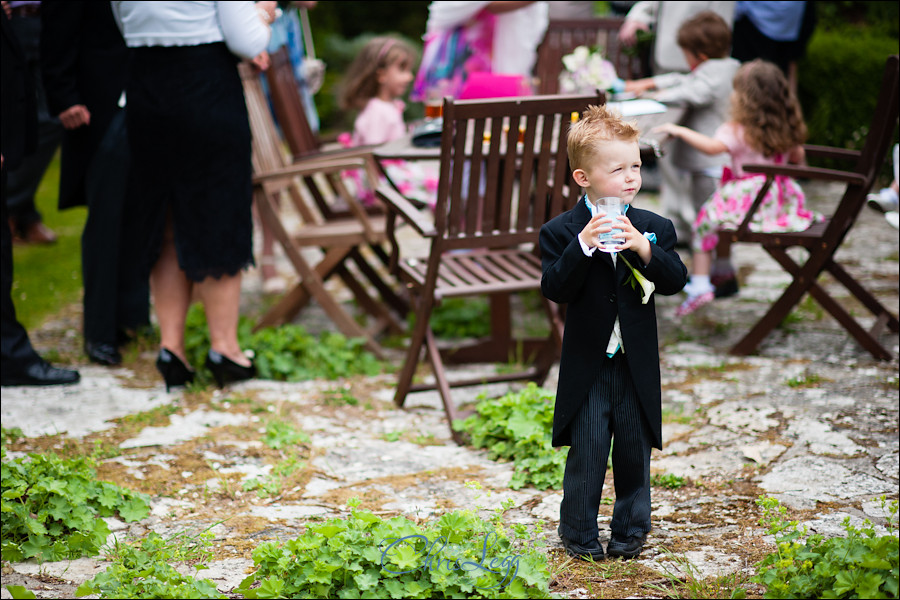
[376, 80]
[767, 128]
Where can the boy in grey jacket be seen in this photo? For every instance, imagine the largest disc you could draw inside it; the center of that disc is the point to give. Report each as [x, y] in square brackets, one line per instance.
[689, 177]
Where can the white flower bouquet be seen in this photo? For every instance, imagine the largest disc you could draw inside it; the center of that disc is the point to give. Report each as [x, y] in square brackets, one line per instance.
[587, 70]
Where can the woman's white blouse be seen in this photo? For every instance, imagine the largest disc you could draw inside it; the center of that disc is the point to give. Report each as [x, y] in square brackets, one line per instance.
[182, 23]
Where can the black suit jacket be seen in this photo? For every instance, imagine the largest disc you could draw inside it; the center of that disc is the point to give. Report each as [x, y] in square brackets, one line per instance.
[84, 60]
[18, 117]
[595, 292]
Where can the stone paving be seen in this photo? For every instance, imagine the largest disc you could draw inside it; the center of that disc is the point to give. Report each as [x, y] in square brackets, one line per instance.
[811, 420]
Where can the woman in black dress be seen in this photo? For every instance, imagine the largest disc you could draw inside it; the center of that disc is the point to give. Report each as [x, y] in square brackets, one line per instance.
[190, 142]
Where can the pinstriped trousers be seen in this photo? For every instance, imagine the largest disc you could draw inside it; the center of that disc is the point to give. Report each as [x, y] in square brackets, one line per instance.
[610, 411]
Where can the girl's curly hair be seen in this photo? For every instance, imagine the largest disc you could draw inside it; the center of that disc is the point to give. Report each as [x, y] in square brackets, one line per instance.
[767, 108]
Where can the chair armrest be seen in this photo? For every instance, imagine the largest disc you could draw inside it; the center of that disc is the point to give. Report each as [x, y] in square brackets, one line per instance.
[831, 152]
[804, 172]
[796, 171]
[396, 203]
[337, 153]
[308, 167]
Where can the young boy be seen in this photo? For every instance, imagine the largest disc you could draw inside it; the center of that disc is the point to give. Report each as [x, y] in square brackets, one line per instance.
[609, 382]
[689, 177]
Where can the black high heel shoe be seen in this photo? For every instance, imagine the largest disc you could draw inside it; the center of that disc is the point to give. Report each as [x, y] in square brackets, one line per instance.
[174, 372]
[226, 370]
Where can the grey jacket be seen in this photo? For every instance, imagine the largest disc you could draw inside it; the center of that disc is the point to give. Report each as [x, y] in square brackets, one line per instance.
[706, 93]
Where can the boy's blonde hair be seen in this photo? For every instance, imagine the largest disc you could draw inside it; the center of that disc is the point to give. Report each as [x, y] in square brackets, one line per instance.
[597, 124]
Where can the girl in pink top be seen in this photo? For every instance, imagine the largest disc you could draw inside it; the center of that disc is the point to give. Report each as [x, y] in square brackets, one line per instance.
[766, 127]
[375, 83]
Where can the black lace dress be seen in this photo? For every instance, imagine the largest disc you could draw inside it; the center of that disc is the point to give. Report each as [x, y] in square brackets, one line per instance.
[190, 140]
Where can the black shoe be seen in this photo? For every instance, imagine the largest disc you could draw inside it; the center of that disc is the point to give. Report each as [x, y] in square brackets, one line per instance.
[40, 372]
[628, 547]
[174, 372]
[726, 287]
[104, 354]
[226, 370]
[590, 551]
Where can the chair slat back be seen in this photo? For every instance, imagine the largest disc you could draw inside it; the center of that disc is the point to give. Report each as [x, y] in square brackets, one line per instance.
[504, 168]
[288, 105]
[564, 35]
[873, 154]
[267, 148]
[266, 144]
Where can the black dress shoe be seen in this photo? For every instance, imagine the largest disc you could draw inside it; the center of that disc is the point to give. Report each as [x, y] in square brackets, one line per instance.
[628, 547]
[226, 370]
[39, 372]
[102, 353]
[725, 288]
[174, 372]
[590, 551]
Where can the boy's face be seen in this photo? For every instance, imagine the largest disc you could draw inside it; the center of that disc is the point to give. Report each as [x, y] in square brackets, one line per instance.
[615, 170]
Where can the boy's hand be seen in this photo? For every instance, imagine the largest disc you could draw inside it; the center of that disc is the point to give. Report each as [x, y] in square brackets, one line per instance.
[598, 224]
[632, 238]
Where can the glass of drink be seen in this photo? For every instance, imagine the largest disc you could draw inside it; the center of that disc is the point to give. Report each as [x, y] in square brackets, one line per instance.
[434, 104]
[610, 206]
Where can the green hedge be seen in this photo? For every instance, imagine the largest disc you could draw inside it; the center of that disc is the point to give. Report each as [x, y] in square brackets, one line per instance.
[839, 82]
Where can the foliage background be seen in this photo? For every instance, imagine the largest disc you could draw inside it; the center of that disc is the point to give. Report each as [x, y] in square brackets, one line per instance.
[838, 84]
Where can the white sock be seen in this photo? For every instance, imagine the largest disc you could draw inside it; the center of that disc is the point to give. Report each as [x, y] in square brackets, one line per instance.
[699, 284]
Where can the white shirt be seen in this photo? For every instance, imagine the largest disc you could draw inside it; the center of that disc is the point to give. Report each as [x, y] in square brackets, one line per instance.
[178, 23]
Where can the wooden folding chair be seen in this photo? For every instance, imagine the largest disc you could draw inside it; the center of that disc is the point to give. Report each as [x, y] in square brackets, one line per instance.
[504, 173]
[564, 35]
[822, 240]
[339, 241]
[304, 143]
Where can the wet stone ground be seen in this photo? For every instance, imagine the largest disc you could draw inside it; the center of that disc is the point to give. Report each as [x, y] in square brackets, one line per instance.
[811, 419]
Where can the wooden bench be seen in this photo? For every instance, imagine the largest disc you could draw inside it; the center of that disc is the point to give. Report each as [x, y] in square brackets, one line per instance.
[494, 194]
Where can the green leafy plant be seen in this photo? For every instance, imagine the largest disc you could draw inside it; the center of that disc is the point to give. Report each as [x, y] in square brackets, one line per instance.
[457, 318]
[285, 353]
[392, 436]
[20, 592]
[144, 569]
[51, 507]
[10, 436]
[280, 434]
[667, 480]
[340, 397]
[273, 483]
[364, 555]
[803, 381]
[860, 565]
[518, 427]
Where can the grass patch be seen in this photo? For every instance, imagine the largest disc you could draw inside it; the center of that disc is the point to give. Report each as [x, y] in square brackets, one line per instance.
[48, 278]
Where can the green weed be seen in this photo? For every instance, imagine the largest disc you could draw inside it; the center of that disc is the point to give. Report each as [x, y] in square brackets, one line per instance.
[667, 480]
[365, 555]
[860, 565]
[52, 507]
[144, 569]
[518, 427]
